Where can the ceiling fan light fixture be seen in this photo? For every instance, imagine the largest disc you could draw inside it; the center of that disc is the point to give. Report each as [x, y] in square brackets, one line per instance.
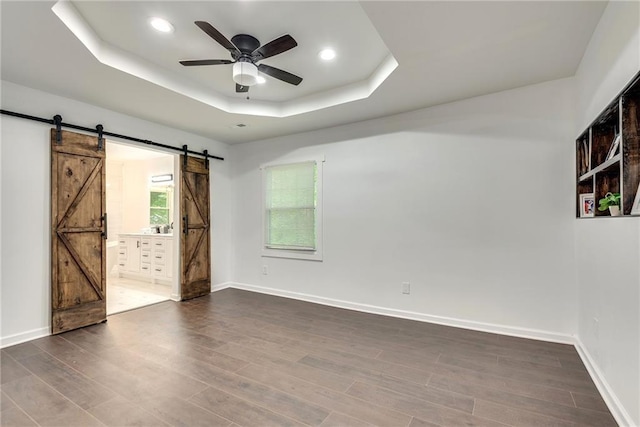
[161, 25]
[245, 73]
[261, 80]
[327, 54]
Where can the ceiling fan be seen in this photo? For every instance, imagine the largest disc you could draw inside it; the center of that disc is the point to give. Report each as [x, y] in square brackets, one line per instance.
[246, 52]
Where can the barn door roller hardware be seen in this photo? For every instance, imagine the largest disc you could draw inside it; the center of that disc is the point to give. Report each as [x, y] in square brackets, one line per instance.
[57, 120]
[99, 128]
[59, 124]
[186, 154]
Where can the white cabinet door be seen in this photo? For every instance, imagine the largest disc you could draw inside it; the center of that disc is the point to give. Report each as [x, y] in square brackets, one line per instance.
[133, 254]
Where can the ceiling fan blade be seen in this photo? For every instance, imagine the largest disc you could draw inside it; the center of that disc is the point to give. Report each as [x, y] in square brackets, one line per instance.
[217, 36]
[206, 62]
[280, 74]
[274, 47]
[240, 88]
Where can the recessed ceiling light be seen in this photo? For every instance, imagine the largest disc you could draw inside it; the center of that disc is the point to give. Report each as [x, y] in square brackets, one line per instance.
[327, 54]
[161, 25]
[261, 80]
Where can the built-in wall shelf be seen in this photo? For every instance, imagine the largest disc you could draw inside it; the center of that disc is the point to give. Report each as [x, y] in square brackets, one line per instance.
[608, 155]
[614, 161]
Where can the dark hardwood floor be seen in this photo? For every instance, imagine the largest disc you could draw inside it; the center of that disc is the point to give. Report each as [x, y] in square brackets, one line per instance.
[236, 358]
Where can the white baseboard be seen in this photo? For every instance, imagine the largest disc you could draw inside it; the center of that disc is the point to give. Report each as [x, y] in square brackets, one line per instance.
[221, 286]
[24, 336]
[421, 317]
[619, 413]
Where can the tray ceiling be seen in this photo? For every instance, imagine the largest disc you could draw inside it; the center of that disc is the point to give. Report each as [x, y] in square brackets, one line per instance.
[446, 51]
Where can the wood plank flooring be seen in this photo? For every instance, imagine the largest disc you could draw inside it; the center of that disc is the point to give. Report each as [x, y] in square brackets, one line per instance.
[236, 358]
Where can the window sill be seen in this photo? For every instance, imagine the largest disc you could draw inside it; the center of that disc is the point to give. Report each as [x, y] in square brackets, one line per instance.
[292, 254]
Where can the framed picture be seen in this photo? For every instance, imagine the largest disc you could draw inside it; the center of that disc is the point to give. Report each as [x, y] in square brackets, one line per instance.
[635, 209]
[587, 205]
[614, 147]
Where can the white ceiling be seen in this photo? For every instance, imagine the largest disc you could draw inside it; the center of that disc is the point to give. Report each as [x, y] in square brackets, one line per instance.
[317, 25]
[446, 51]
[132, 46]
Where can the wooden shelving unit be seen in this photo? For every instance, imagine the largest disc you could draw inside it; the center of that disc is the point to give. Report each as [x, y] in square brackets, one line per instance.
[598, 170]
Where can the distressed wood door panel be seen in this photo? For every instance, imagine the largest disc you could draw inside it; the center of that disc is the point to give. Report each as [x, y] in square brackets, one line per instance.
[195, 239]
[78, 288]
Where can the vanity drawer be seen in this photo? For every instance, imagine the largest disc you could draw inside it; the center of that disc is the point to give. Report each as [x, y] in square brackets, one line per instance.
[159, 271]
[159, 245]
[145, 256]
[122, 253]
[145, 268]
[145, 243]
[159, 258]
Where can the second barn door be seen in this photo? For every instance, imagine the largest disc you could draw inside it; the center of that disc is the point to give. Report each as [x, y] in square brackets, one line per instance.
[195, 242]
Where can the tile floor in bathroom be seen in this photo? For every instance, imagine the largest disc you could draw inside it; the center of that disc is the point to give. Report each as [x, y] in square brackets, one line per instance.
[128, 294]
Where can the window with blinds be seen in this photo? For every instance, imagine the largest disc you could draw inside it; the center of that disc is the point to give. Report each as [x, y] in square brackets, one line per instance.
[291, 209]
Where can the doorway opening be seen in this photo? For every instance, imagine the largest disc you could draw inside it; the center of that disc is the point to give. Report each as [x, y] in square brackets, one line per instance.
[141, 204]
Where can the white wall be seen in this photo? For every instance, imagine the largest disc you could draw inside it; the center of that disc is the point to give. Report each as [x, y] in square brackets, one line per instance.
[114, 197]
[608, 250]
[612, 58]
[471, 202]
[136, 181]
[128, 186]
[25, 201]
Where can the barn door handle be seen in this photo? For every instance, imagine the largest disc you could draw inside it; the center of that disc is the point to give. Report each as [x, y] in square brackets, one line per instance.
[104, 226]
[185, 224]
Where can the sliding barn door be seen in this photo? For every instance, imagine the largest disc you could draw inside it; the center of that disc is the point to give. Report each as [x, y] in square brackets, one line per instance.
[78, 291]
[195, 242]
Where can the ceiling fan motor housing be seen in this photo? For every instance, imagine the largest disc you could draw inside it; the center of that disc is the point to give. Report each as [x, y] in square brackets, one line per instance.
[245, 43]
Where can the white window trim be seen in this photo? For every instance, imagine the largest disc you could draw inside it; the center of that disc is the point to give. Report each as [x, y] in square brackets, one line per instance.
[169, 190]
[311, 255]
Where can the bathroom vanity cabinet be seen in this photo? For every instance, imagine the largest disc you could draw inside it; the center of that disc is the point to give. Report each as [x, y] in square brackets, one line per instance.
[145, 256]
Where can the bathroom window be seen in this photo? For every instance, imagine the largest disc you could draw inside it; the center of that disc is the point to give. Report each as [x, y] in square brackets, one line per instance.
[160, 201]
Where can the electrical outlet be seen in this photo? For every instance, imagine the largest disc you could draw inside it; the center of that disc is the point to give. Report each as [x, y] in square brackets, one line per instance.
[265, 270]
[406, 288]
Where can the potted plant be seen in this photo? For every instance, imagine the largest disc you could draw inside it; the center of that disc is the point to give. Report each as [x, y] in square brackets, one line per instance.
[610, 201]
